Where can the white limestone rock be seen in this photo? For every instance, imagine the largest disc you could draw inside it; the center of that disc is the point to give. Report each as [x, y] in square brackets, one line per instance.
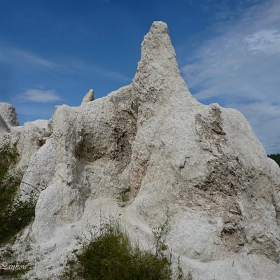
[40, 171]
[153, 140]
[4, 126]
[29, 138]
[88, 97]
[4, 129]
[8, 113]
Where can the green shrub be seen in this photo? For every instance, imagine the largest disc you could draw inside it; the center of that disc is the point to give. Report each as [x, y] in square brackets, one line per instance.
[15, 214]
[112, 256]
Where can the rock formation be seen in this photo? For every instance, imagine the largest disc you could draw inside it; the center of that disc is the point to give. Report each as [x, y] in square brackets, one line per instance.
[8, 113]
[153, 141]
[88, 97]
[3, 127]
[28, 138]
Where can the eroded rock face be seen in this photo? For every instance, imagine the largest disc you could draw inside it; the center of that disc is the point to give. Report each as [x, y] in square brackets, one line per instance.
[88, 97]
[4, 129]
[8, 113]
[27, 138]
[40, 171]
[155, 143]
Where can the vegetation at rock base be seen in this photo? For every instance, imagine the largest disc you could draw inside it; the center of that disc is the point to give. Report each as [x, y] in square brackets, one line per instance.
[15, 214]
[275, 157]
[111, 256]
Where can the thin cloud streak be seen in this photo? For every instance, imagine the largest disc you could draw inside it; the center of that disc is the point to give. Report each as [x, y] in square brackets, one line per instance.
[34, 59]
[19, 58]
[16, 56]
[79, 67]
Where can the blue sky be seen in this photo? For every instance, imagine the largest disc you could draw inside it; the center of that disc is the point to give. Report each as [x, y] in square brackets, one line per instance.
[52, 52]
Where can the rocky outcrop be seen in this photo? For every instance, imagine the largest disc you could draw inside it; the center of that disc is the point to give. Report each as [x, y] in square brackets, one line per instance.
[154, 142]
[88, 97]
[8, 113]
[3, 127]
[27, 138]
[40, 171]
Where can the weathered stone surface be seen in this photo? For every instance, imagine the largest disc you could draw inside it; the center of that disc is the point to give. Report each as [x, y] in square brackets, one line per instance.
[88, 97]
[154, 142]
[29, 138]
[4, 129]
[4, 118]
[8, 112]
[40, 171]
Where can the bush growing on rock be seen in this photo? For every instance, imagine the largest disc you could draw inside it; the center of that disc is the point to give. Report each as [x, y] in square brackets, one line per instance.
[15, 214]
[111, 256]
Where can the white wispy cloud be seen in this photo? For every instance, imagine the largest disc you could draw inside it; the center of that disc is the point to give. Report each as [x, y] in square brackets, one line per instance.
[241, 68]
[39, 95]
[267, 41]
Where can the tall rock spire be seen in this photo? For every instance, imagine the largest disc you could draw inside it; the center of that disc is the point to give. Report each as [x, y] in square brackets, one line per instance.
[158, 75]
[157, 49]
